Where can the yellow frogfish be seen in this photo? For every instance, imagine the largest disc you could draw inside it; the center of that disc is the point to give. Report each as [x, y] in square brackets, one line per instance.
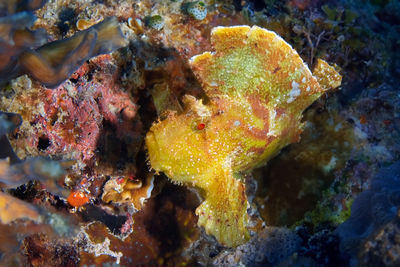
[257, 88]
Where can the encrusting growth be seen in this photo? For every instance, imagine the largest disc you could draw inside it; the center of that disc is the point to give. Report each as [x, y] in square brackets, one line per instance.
[258, 88]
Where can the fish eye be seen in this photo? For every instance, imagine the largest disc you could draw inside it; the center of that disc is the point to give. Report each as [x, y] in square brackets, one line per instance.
[201, 126]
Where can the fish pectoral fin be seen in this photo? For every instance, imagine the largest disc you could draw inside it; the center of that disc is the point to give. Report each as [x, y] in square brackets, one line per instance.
[223, 214]
[327, 76]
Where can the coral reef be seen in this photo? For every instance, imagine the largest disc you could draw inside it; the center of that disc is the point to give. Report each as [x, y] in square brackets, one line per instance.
[41, 251]
[42, 169]
[54, 62]
[8, 123]
[15, 38]
[109, 204]
[272, 247]
[382, 248]
[372, 209]
[197, 9]
[12, 209]
[60, 128]
[258, 88]
[122, 190]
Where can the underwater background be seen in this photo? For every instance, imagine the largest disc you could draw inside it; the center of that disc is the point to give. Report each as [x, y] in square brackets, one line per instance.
[83, 82]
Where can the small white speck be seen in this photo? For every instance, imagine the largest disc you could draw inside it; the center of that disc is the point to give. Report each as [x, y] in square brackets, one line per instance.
[236, 123]
[303, 80]
[213, 84]
[271, 133]
[295, 92]
[308, 88]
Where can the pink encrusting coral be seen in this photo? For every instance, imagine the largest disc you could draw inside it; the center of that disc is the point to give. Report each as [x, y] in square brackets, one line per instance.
[66, 127]
[67, 121]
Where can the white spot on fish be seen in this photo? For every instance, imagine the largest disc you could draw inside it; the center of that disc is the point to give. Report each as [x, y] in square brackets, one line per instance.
[236, 123]
[213, 84]
[295, 92]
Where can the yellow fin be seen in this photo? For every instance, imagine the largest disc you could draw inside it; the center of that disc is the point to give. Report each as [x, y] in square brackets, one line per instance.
[223, 214]
[327, 76]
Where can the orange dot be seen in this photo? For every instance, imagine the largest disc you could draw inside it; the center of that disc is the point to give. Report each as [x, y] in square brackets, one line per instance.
[77, 199]
[201, 126]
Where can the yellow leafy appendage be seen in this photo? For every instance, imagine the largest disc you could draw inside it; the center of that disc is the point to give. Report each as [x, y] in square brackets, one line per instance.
[258, 88]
